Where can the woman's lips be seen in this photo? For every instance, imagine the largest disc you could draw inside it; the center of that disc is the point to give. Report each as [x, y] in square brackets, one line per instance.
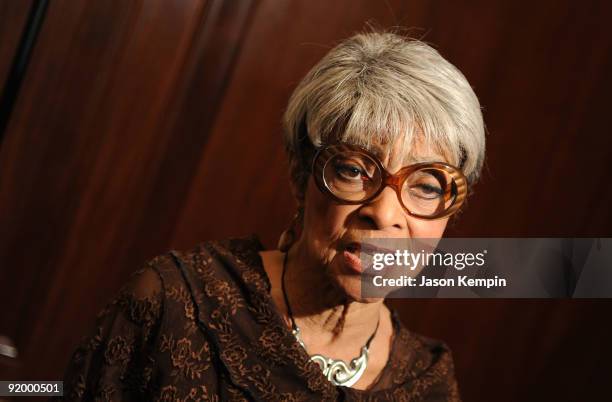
[352, 261]
[353, 251]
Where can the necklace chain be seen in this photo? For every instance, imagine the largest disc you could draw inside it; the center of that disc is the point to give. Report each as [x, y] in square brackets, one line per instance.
[335, 370]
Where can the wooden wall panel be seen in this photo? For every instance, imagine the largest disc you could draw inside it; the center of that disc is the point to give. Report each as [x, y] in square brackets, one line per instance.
[148, 125]
[544, 94]
[118, 96]
[13, 17]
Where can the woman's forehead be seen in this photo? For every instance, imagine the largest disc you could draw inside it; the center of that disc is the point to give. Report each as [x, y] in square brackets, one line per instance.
[399, 154]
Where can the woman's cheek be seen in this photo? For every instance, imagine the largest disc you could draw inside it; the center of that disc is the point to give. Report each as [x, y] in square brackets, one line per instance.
[318, 209]
[423, 229]
[324, 222]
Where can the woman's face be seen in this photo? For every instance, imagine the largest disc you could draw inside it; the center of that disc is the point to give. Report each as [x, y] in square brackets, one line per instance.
[331, 227]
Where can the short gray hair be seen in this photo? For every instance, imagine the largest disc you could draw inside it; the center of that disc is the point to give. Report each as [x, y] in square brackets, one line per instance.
[383, 88]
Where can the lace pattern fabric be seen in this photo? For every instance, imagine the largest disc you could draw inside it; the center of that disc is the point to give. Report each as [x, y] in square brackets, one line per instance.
[201, 326]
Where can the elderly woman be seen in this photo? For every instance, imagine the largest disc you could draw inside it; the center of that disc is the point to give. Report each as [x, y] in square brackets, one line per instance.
[383, 136]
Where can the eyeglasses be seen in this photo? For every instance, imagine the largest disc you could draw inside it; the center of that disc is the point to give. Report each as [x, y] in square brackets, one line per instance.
[352, 175]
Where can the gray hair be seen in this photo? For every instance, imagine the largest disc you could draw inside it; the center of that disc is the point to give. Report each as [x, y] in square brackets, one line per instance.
[382, 88]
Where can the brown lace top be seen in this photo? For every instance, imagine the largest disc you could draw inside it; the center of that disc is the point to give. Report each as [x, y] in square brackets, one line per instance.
[201, 326]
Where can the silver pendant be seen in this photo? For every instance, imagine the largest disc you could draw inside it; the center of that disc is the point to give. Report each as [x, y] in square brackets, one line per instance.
[337, 371]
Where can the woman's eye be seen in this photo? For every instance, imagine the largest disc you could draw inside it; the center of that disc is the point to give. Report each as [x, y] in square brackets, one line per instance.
[352, 172]
[427, 191]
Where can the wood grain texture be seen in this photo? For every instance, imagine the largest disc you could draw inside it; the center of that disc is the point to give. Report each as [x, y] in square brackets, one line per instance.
[13, 17]
[107, 106]
[149, 125]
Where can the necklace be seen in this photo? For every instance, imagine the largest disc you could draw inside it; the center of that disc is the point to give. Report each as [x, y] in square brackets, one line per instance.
[336, 371]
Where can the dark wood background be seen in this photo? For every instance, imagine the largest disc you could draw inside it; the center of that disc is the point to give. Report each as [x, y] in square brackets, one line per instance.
[148, 125]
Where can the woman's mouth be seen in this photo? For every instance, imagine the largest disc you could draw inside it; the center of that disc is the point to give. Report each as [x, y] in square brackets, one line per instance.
[352, 260]
[354, 251]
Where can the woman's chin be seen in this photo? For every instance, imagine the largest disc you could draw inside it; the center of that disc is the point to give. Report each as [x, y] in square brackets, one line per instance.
[350, 287]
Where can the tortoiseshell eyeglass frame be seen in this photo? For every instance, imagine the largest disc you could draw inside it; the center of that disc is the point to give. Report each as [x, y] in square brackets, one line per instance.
[458, 187]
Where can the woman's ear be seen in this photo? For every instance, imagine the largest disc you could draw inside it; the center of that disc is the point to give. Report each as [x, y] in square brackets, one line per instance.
[298, 179]
[293, 232]
[298, 189]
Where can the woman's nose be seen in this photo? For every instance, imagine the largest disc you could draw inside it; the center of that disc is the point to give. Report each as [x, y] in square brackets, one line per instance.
[385, 212]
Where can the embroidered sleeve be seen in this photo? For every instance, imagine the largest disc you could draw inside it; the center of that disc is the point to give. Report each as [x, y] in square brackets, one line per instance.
[115, 362]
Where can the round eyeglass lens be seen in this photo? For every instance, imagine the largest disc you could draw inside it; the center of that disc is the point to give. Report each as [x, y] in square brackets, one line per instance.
[429, 191]
[352, 176]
